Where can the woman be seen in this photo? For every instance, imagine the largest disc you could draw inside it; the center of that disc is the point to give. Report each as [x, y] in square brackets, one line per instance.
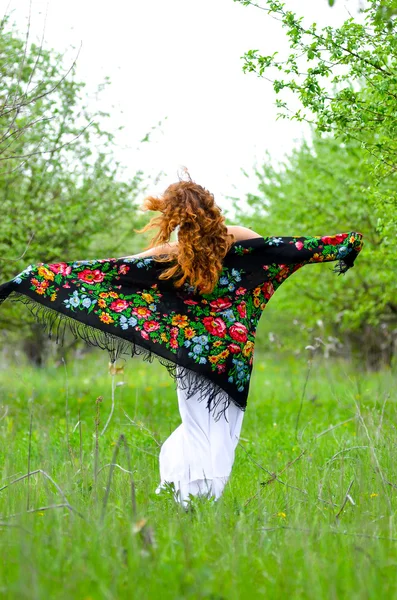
[198, 456]
[195, 305]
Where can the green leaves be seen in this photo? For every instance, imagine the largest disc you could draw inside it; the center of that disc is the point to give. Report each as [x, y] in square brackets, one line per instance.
[63, 195]
[345, 79]
[323, 188]
[351, 84]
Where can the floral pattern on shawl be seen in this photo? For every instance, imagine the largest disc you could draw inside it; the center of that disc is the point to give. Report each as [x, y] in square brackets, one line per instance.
[217, 330]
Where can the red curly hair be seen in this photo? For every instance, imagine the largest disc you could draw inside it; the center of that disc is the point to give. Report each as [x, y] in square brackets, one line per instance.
[203, 240]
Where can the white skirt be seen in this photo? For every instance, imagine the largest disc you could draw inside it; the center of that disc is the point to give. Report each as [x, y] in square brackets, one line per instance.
[198, 456]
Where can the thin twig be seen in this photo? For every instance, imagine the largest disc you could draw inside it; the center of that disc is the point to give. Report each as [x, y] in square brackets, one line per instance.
[115, 465]
[67, 413]
[291, 462]
[28, 475]
[275, 477]
[141, 427]
[15, 526]
[345, 500]
[374, 456]
[333, 427]
[393, 485]
[302, 398]
[381, 417]
[96, 451]
[29, 454]
[23, 253]
[132, 481]
[112, 407]
[41, 509]
[81, 443]
[20, 105]
[306, 530]
[345, 450]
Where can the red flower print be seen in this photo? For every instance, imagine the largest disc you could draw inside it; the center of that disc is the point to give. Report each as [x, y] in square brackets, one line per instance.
[220, 304]
[296, 267]
[119, 305]
[190, 302]
[242, 309]
[144, 335]
[174, 331]
[299, 245]
[173, 343]
[238, 332]
[267, 289]
[283, 273]
[234, 348]
[142, 312]
[150, 325]
[221, 368]
[216, 326]
[240, 291]
[334, 239]
[89, 276]
[123, 269]
[66, 285]
[61, 268]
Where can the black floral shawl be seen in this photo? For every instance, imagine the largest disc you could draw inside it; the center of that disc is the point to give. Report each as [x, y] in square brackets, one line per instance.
[122, 306]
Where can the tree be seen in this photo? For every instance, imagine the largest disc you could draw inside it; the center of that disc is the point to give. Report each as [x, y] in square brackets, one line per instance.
[346, 81]
[60, 185]
[321, 189]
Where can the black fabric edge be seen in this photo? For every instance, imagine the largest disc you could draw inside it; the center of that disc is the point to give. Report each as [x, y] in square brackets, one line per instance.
[57, 323]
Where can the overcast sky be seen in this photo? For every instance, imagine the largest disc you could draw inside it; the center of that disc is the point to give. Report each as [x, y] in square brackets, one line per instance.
[178, 62]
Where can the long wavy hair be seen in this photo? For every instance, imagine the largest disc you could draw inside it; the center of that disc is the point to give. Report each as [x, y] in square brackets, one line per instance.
[203, 240]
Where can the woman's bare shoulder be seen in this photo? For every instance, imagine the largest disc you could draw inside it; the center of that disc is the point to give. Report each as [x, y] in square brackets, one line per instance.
[242, 233]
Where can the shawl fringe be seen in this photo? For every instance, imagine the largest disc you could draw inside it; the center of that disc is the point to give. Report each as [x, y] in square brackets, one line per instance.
[341, 267]
[56, 324]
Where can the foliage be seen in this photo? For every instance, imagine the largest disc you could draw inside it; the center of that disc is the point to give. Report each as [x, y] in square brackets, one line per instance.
[346, 81]
[385, 11]
[61, 188]
[322, 189]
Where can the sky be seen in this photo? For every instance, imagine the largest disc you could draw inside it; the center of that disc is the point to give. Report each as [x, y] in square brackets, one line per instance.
[178, 63]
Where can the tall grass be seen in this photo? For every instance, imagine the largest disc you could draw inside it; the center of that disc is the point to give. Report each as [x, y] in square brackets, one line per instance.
[309, 511]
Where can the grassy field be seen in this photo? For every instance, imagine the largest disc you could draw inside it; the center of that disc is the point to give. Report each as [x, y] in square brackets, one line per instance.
[309, 511]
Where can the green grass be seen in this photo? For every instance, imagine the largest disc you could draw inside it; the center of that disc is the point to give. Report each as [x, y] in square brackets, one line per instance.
[279, 540]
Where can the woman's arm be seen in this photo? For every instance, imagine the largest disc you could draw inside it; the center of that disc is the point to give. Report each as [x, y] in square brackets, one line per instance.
[343, 247]
[170, 247]
[242, 233]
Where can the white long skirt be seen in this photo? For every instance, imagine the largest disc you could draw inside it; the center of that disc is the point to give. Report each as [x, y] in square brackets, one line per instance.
[198, 456]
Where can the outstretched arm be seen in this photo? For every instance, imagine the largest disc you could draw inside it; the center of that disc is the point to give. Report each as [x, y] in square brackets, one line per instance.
[163, 249]
[343, 247]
